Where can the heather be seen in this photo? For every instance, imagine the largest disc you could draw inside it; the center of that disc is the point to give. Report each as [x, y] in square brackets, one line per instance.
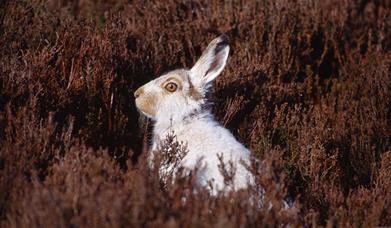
[307, 88]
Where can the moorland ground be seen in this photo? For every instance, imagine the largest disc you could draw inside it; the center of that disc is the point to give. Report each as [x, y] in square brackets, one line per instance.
[307, 88]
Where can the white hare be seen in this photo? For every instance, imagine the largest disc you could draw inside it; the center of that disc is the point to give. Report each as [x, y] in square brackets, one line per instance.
[176, 103]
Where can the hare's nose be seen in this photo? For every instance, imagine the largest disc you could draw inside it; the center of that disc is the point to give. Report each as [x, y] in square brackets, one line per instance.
[138, 92]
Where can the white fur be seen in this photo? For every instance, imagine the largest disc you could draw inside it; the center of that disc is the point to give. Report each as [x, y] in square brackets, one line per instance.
[193, 123]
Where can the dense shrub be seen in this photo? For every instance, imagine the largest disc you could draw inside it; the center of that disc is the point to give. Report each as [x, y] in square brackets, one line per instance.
[307, 88]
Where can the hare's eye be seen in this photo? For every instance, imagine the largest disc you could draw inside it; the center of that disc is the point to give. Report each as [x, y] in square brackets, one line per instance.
[171, 87]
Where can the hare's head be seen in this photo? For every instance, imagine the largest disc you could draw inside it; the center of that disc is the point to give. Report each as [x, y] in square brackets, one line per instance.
[179, 93]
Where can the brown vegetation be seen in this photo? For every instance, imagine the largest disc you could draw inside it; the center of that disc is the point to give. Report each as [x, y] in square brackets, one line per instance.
[307, 88]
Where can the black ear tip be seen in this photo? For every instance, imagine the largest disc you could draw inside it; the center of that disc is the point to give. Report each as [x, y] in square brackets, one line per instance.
[222, 43]
[223, 40]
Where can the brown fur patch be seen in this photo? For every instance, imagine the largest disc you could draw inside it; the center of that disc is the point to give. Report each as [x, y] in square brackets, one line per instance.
[147, 104]
[139, 92]
[193, 92]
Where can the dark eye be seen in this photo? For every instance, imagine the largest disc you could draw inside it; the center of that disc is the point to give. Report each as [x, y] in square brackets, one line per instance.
[171, 87]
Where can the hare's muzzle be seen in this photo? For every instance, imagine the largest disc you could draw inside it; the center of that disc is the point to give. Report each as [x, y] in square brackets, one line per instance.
[145, 102]
[138, 92]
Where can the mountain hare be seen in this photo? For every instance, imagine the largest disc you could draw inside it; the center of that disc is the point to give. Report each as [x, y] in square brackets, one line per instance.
[176, 103]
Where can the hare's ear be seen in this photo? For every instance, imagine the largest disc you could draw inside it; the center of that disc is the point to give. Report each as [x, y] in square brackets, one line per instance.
[211, 62]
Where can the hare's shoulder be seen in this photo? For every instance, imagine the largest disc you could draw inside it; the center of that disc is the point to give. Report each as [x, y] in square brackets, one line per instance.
[212, 138]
